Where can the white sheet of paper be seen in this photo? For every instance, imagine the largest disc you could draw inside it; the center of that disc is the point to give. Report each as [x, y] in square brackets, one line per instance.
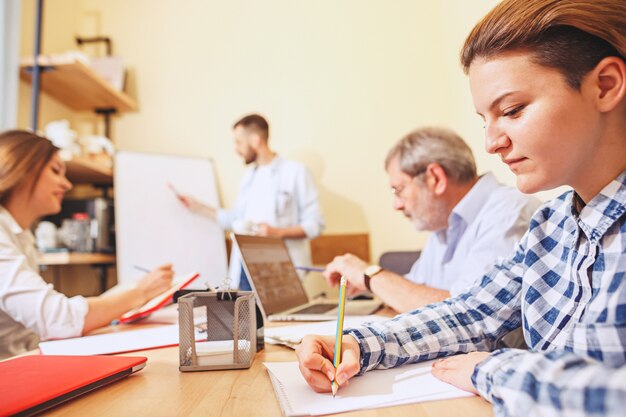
[166, 315]
[124, 341]
[292, 335]
[379, 388]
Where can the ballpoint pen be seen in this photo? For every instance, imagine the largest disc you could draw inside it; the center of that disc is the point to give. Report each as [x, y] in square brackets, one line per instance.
[309, 268]
[339, 334]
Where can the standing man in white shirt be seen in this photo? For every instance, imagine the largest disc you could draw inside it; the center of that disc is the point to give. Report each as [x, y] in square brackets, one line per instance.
[277, 198]
[474, 220]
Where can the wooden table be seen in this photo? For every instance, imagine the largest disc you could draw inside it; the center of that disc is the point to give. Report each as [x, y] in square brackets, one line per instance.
[161, 390]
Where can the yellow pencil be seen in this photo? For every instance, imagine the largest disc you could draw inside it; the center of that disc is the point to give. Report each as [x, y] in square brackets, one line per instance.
[339, 334]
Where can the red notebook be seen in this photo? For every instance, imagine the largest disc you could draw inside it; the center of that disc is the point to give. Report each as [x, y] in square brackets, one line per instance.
[33, 384]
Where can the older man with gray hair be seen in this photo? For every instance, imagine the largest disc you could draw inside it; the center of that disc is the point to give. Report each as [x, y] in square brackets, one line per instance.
[474, 220]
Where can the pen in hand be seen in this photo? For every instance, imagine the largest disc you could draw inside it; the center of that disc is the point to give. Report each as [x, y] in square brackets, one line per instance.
[339, 333]
[139, 268]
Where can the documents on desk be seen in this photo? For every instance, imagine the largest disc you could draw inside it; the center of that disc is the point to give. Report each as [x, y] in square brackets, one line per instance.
[379, 388]
[132, 341]
[292, 335]
[119, 342]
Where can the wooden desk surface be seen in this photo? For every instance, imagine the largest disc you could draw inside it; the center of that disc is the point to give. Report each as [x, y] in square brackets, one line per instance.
[161, 390]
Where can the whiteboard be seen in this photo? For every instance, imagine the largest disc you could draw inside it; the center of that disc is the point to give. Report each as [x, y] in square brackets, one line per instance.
[153, 227]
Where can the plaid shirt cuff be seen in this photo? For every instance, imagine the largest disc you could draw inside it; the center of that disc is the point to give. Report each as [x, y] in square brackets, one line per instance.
[371, 346]
[493, 370]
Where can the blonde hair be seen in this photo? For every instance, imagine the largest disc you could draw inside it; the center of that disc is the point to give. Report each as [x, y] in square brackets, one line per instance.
[23, 155]
[571, 36]
[429, 145]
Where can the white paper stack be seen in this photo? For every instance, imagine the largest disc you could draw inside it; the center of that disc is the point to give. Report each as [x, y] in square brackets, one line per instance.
[379, 388]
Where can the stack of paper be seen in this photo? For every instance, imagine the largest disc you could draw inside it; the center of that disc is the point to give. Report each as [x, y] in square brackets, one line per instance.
[379, 388]
[131, 341]
[103, 344]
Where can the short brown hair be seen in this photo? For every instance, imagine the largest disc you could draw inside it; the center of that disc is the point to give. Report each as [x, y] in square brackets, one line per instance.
[256, 122]
[23, 155]
[429, 145]
[571, 36]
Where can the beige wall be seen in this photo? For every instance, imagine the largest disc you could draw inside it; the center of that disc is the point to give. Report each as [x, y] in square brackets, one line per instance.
[340, 81]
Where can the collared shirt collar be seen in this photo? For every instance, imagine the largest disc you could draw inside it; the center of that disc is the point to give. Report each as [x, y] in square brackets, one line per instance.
[470, 205]
[603, 210]
[23, 237]
[16, 229]
[273, 165]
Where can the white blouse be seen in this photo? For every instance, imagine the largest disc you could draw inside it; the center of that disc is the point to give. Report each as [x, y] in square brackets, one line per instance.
[30, 309]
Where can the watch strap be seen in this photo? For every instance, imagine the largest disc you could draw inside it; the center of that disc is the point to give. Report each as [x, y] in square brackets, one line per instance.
[367, 278]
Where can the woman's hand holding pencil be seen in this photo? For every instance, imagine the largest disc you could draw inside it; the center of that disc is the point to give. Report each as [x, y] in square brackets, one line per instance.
[315, 355]
[341, 309]
[155, 282]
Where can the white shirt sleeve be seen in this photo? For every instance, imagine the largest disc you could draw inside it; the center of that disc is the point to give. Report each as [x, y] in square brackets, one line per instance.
[27, 299]
[417, 272]
[226, 217]
[310, 216]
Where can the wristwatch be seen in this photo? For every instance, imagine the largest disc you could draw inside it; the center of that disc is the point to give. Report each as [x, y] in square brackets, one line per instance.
[369, 272]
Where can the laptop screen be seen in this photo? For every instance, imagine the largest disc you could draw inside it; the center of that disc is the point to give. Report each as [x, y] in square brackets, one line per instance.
[272, 273]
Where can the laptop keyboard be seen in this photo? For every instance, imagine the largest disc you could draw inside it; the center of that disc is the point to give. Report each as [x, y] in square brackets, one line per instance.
[316, 309]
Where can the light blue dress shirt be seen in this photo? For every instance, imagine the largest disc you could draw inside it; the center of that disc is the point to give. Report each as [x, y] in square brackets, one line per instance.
[483, 226]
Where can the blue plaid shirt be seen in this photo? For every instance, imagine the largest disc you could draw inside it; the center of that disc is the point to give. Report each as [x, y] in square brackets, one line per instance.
[566, 285]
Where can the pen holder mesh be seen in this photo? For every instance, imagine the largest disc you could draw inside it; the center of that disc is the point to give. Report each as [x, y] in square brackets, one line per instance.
[217, 330]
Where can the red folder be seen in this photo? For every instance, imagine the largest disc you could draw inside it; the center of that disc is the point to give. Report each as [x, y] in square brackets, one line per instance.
[33, 384]
[157, 302]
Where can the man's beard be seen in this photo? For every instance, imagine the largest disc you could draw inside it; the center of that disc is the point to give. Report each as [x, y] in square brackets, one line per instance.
[431, 218]
[250, 158]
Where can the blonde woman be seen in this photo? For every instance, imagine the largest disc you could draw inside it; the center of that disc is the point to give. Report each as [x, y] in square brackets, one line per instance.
[32, 185]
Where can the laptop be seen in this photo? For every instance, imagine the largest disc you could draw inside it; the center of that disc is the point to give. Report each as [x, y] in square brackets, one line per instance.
[279, 291]
[33, 384]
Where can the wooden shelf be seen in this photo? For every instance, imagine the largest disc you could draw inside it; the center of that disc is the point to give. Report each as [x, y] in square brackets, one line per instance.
[76, 258]
[77, 85]
[86, 170]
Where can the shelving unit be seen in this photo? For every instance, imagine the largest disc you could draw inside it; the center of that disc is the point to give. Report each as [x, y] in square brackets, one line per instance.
[75, 258]
[101, 261]
[76, 85]
[85, 170]
[79, 87]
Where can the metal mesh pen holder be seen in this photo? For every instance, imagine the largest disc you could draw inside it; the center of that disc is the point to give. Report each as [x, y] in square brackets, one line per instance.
[217, 330]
